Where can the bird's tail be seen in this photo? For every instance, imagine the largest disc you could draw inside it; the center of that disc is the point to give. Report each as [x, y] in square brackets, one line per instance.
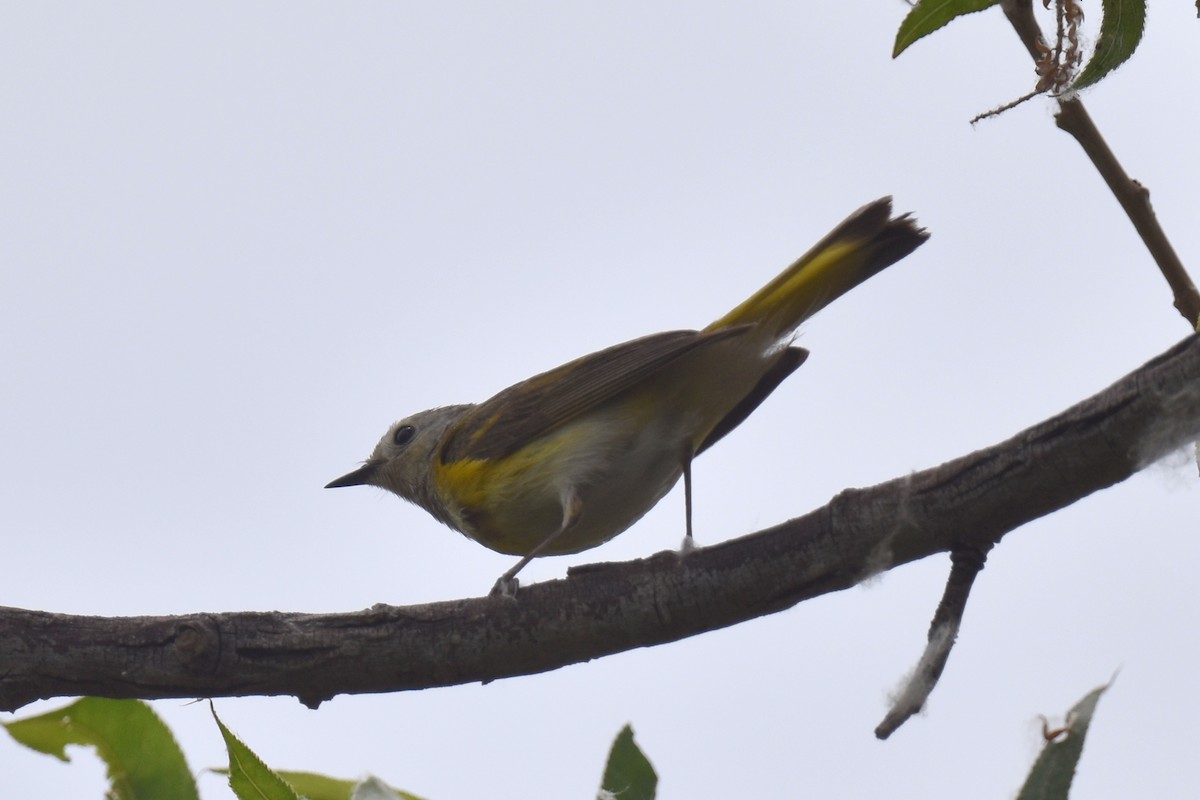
[868, 241]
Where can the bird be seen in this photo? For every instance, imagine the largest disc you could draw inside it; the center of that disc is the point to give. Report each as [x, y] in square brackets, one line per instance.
[565, 460]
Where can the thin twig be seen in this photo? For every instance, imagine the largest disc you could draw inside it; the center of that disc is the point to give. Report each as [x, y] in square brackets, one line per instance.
[966, 561]
[1134, 198]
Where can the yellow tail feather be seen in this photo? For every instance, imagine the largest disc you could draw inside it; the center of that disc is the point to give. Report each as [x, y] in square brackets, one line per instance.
[866, 243]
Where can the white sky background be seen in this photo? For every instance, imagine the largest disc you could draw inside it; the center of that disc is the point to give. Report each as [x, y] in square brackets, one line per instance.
[239, 239]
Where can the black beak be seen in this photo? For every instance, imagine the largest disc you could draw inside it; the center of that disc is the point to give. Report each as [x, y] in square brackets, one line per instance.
[359, 477]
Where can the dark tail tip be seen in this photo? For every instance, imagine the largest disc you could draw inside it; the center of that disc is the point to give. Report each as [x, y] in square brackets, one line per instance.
[891, 238]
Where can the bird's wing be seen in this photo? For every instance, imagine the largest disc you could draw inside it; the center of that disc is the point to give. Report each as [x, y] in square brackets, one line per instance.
[788, 361]
[533, 407]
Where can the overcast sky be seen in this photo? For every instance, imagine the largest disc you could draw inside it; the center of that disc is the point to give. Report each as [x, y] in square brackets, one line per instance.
[239, 239]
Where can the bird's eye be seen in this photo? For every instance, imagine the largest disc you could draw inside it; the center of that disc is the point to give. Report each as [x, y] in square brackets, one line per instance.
[403, 435]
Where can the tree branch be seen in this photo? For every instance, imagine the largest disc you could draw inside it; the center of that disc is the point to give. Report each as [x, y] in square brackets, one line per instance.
[966, 562]
[1134, 198]
[602, 609]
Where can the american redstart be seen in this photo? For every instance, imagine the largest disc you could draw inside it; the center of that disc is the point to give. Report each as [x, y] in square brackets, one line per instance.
[567, 459]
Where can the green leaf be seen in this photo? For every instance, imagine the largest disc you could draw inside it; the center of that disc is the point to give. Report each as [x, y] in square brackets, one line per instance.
[318, 787]
[249, 777]
[143, 760]
[322, 787]
[1050, 778]
[628, 775]
[1121, 29]
[929, 15]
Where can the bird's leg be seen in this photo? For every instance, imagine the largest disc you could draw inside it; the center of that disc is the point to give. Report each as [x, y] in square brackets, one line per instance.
[689, 544]
[507, 584]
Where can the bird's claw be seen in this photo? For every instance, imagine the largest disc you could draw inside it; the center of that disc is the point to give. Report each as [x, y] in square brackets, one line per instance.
[506, 586]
